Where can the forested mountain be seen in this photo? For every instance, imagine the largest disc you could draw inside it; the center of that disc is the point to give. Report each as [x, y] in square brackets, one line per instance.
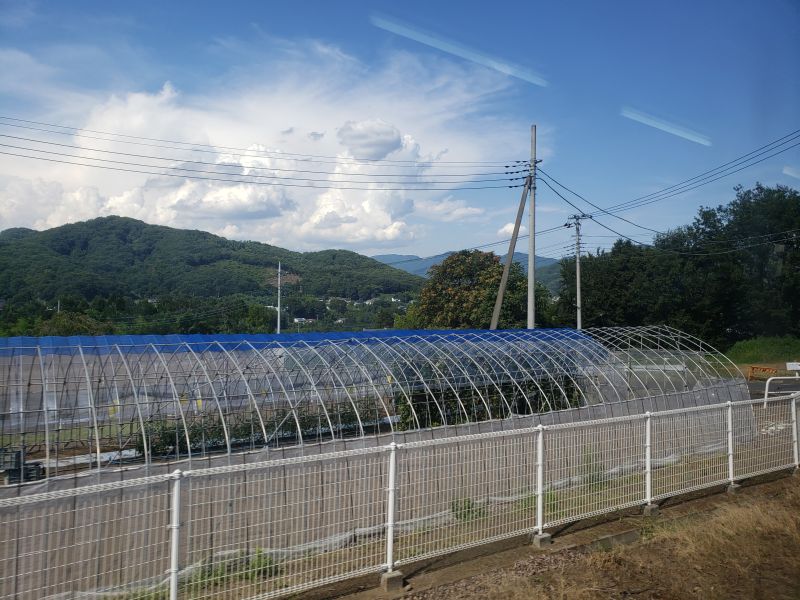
[120, 256]
[119, 275]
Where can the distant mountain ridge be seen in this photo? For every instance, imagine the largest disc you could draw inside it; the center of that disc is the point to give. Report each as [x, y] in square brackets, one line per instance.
[121, 256]
[546, 268]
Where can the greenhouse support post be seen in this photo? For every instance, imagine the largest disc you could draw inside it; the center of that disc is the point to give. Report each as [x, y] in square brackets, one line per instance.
[175, 534]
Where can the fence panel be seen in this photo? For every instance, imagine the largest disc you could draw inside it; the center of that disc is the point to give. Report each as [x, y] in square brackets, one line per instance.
[689, 450]
[109, 538]
[272, 529]
[762, 437]
[464, 493]
[592, 467]
[278, 527]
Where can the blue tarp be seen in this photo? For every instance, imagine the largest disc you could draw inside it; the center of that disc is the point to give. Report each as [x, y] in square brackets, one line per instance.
[14, 346]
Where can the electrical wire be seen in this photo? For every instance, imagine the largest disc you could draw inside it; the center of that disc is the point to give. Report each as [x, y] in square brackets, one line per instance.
[274, 177]
[793, 238]
[592, 204]
[594, 219]
[251, 168]
[729, 168]
[249, 181]
[77, 132]
[712, 175]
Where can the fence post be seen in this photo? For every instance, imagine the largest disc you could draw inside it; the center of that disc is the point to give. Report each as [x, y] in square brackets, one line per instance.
[175, 534]
[795, 447]
[541, 538]
[732, 486]
[390, 506]
[648, 459]
[391, 580]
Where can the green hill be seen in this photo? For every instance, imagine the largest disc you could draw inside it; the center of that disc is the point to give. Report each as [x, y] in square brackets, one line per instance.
[116, 256]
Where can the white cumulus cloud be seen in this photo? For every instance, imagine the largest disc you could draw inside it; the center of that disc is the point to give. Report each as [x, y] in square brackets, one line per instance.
[241, 128]
[508, 229]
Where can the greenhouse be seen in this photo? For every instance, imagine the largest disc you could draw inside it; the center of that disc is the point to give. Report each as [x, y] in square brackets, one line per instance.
[88, 404]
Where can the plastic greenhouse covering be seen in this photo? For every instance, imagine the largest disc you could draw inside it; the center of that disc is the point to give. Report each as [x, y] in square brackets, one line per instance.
[76, 404]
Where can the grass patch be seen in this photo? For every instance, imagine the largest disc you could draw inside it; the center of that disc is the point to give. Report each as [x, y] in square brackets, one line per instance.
[765, 350]
[745, 549]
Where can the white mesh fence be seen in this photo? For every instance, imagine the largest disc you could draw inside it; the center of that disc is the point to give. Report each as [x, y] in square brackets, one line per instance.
[99, 538]
[279, 527]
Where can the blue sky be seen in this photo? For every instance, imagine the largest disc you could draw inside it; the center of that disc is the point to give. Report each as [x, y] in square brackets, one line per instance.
[325, 79]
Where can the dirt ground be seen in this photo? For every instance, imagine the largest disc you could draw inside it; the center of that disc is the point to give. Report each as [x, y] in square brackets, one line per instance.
[723, 546]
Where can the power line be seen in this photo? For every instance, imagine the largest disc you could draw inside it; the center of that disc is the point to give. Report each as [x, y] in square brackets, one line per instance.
[258, 176]
[247, 181]
[231, 165]
[729, 251]
[729, 168]
[712, 175]
[592, 204]
[677, 251]
[77, 132]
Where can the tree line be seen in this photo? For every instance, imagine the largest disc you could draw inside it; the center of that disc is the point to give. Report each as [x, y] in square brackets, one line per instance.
[732, 274]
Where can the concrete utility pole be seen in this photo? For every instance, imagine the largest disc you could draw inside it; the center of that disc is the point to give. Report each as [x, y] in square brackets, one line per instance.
[530, 187]
[532, 235]
[510, 257]
[578, 268]
[576, 220]
[278, 328]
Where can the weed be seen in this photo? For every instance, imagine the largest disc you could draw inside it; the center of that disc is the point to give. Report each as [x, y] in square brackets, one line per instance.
[466, 509]
[261, 566]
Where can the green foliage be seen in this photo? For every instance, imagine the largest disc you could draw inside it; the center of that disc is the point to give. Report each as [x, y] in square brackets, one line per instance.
[222, 570]
[261, 566]
[466, 509]
[765, 350]
[550, 277]
[553, 505]
[461, 292]
[715, 278]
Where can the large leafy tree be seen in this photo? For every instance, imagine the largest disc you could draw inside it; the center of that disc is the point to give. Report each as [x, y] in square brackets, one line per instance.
[461, 292]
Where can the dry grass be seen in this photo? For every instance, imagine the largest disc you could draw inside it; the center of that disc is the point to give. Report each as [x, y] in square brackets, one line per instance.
[746, 549]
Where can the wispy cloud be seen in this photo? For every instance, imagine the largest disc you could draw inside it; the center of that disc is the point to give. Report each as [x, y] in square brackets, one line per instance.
[666, 126]
[791, 172]
[434, 40]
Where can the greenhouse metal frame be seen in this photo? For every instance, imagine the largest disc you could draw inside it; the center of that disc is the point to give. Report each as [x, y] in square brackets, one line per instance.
[81, 403]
